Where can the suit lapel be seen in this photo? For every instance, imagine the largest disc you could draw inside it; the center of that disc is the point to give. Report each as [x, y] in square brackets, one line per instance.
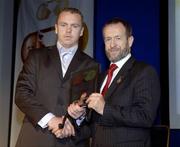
[74, 65]
[56, 62]
[118, 80]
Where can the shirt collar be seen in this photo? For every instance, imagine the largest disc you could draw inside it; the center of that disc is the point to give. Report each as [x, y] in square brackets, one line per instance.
[72, 50]
[121, 62]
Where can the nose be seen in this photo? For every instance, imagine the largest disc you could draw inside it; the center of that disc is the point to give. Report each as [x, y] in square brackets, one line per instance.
[112, 43]
[69, 29]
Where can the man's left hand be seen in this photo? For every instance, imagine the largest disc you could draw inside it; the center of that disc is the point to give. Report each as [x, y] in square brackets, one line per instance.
[96, 102]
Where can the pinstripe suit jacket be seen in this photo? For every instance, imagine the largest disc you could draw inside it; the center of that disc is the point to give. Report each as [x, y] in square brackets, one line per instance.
[130, 109]
[40, 89]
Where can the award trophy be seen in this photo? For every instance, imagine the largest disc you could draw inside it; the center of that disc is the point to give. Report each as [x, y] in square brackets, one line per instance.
[84, 81]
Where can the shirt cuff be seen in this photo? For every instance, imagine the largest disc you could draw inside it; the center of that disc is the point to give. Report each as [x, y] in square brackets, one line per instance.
[80, 120]
[44, 121]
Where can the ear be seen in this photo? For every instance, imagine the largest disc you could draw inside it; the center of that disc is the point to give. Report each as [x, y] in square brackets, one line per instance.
[55, 28]
[130, 40]
[82, 30]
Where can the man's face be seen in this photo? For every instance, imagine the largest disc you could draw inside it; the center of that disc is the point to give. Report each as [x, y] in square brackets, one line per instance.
[117, 44]
[69, 29]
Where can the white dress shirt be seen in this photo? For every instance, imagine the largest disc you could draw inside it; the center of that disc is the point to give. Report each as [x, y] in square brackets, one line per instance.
[119, 63]
[66, 55]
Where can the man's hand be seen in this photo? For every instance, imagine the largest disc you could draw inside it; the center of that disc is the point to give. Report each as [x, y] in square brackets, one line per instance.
[67, 131]
[96, 102]
[75, 111]
[53, 124]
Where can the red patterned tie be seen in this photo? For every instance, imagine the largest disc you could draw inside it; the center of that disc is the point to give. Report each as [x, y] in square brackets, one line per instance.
[110, 73]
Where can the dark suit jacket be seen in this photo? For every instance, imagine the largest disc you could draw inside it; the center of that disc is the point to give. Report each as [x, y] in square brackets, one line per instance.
[130, 109]
[40, 89]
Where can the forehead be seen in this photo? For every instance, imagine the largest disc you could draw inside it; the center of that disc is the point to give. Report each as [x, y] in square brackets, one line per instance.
[69, 17]
[114, 29]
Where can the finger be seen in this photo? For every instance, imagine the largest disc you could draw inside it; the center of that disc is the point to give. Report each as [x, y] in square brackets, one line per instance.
[76, 108]
[54, 130]
[64, 131]
[71, 127]
[58, 133]
[73, 108]
[69, 130]
[75, 111]
[83, 95]
[91, 104]
[49, 128]
[72, 113]
[93, 98]
[88, 100]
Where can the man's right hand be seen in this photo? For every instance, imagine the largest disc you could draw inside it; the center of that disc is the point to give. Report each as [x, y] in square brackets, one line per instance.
[67, 131]
[53, 124]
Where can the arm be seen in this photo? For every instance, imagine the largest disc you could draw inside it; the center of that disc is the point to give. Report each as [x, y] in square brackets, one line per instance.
[142, 108]
[25, 96]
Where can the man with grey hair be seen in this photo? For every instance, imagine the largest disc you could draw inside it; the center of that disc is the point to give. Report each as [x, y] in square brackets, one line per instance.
[127, 104]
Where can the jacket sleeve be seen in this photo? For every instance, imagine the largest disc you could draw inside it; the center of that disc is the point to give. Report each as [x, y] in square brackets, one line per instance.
[25, 95]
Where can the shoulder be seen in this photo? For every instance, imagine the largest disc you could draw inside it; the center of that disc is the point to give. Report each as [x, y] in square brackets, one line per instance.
[141, 66]
[86, 58]
[39, 53]
[142, 69]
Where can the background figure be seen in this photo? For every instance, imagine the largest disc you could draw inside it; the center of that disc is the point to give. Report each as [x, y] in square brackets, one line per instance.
[34, 40]
[44, 85]
[31, 41]
[127, 104]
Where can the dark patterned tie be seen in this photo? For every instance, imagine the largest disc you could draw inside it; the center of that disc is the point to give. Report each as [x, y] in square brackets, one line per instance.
[110, 73]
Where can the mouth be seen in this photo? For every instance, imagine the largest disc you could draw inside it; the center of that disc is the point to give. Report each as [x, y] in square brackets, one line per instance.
[113, 50]
[67, 37]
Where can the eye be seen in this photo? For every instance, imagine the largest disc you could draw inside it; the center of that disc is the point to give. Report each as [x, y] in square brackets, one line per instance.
[62, 24]
[107, 39]
[118, 38]
[75, 26]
